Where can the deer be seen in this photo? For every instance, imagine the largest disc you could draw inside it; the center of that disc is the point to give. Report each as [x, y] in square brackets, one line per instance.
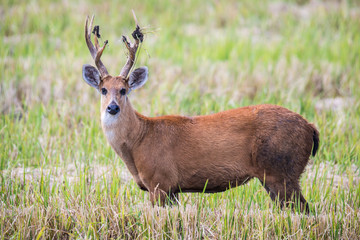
[168, 155]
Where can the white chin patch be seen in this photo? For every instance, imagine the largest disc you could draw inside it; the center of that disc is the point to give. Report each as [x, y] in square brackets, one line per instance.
[107, 119]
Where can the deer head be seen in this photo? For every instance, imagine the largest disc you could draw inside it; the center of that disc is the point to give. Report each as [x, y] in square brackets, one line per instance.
[114, 90]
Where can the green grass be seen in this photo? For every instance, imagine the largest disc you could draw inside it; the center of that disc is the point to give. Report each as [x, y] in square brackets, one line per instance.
[60, 178]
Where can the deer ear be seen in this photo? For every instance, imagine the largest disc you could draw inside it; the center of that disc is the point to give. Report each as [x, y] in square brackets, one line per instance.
[138, 78]
[91, 75]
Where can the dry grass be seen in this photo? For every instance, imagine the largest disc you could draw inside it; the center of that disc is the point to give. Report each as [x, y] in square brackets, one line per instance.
[105, 211]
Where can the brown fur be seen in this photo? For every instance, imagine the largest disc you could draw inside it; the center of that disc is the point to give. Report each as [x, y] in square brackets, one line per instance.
[170, 154]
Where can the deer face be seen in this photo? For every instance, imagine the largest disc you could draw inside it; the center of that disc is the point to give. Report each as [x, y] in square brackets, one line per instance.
[114, 90]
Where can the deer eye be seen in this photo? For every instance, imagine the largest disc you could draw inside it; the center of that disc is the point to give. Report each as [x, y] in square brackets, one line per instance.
[123, 91]
[103, 91]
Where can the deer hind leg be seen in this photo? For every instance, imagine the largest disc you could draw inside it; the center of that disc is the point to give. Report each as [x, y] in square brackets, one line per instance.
[286, 193]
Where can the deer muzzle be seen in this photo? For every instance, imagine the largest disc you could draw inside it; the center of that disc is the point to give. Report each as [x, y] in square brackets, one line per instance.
[113, 108]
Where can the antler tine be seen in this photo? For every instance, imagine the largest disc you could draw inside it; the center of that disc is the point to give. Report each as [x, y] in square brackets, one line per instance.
[134, 16]
[95, 51]
[132, 48]
[99, 53]
[88, 36]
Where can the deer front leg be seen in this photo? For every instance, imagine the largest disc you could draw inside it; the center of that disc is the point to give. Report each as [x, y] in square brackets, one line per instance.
[158, 196]
[161, 184]
[162, 198]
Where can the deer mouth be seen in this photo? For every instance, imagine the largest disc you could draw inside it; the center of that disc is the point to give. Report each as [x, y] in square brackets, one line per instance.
[109, 118]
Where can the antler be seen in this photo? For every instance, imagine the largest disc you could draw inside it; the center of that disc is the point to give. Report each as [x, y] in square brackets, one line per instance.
[96, 51]
[132, 47]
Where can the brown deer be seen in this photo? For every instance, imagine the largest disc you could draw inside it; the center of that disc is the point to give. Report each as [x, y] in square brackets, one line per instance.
[171, 154]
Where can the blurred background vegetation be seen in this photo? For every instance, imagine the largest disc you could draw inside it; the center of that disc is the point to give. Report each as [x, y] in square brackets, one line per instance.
[203, 57]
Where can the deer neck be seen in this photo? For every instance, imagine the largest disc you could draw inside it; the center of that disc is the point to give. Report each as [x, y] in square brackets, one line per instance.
[125, 132]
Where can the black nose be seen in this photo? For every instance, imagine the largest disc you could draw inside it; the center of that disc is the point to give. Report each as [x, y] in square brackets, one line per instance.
[113, 109]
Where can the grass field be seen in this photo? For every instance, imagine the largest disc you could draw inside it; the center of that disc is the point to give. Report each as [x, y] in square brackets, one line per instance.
[61, 179]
